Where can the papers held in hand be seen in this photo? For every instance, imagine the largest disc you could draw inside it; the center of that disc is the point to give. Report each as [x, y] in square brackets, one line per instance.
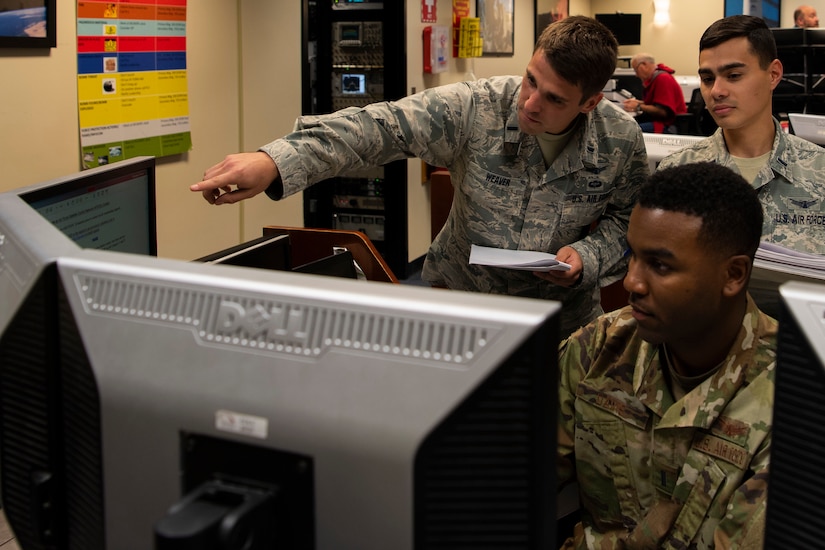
[525, 260]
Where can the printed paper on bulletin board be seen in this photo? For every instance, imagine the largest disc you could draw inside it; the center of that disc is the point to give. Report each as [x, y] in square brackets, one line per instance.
[132, 88]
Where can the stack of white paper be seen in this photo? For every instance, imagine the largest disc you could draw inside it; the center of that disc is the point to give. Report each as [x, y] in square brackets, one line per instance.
[778, 258]
[525, 260]
[774, 264]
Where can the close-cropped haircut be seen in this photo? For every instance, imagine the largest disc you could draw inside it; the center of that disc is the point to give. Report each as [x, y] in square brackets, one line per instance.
[760, 38]
[727, 204]
[582, 51]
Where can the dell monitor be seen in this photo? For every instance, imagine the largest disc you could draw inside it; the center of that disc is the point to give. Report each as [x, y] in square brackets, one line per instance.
[796, 489]
[658, 146]
[109, 207]
[177, 404]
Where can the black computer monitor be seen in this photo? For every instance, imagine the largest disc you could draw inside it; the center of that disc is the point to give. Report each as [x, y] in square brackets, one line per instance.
[265, 252]
[111, 207]
[274, 253]
[796, 489]
[338, 264]
[346, 414]
[626, 27]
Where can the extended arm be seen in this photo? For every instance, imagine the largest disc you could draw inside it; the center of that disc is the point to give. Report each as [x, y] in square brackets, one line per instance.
[248, 173]
[321, 147]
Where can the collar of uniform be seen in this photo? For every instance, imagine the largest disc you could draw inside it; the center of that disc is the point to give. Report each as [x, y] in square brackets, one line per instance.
[782, 156]
[780, 161]
[585, 137]
[701, 406]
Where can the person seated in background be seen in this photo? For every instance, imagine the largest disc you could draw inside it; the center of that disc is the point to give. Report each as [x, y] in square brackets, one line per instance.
[805, 17]
[663, 97]
[535, 161]
[738, 71]
[666, 404]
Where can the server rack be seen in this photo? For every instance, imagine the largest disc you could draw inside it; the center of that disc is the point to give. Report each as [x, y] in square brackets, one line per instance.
[354, 53]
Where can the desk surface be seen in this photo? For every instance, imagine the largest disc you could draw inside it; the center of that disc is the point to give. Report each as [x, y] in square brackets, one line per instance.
[7, 540]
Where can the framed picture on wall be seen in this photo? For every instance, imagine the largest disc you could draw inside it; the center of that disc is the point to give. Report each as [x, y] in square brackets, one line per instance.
[548, 11]
[497, 26]
[28, 24]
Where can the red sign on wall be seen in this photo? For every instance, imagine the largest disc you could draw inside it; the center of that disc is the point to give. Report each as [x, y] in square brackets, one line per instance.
[428, 11]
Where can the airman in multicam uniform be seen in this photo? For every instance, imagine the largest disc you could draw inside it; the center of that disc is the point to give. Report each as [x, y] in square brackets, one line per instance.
[536, 162]
[666, 405]
[739, 70]
[659, 472]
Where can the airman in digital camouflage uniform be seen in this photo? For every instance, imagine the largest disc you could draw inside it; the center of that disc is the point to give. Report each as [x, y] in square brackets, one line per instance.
[535, 161]
[739, 70]
[666, 404]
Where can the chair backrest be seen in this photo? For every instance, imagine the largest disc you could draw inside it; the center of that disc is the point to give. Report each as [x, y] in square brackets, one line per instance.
[697, 121]
[697, 102]
[705, 122]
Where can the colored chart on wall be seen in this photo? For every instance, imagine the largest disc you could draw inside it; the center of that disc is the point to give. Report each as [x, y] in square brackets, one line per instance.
[132, 87]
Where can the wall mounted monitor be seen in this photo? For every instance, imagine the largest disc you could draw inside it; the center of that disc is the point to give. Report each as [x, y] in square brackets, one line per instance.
[357, 4]
[626, 27]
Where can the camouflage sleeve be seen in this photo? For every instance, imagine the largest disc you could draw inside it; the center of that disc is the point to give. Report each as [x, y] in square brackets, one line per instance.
[428, 125]
[574, 360]
[565, 469]
[744, 523]
[604, 248]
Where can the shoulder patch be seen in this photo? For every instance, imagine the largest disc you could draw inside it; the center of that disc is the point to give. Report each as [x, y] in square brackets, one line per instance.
[731, 427]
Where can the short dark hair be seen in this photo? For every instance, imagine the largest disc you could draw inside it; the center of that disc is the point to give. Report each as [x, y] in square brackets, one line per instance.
[727, 204]
[582, 51]
[760, 37]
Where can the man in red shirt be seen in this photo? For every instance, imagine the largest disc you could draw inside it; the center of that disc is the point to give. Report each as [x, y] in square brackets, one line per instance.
[663, 97]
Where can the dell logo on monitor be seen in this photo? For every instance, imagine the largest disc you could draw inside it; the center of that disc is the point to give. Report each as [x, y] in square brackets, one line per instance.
[257, 321]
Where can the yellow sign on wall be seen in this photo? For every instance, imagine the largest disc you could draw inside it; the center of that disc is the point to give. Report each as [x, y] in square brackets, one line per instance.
[470, 44]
